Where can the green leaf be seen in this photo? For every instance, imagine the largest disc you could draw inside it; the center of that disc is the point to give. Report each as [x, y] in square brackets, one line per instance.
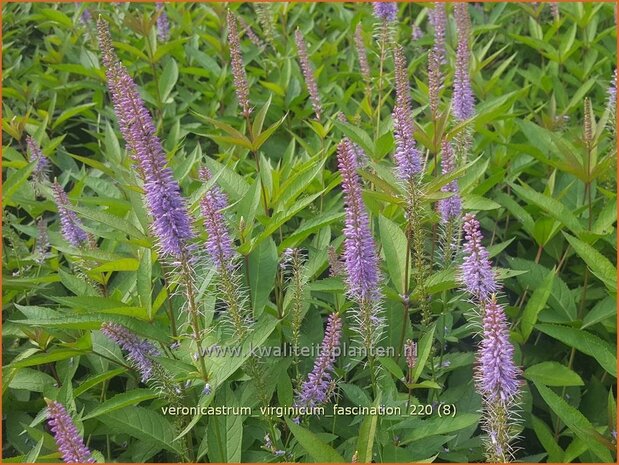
[553, 374]
[168, 79]
[93, 381]
[599, 265]
[423, 352]
[262, 267]
[71, 112]
[576, 422]
[546, 438]
[122, 400]
[142, 424]
[586, 343]
[551, 206]
[319, 451]
[123, 264]
[367, 432]
[395, 247]
[441, 425]
[535, 304]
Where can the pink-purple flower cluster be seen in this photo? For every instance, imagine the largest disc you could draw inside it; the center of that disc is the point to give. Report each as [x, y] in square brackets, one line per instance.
[139, 351]
[219, 244]
[68, 439]
[171, 222]
[315, 390]
[70, 224]
[407, 158]
[451, 207]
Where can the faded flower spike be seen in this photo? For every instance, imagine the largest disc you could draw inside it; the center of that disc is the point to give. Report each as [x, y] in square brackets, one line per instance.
[42, 166]
[238, 68]
[476, 272]
[171, 223]
[315, 390]
[70, 224]
[140, 351]
[69, 441]
[308, 73]
[407, 158]
[363, 55]
[163, 24]
[451, 207]
[386, 11]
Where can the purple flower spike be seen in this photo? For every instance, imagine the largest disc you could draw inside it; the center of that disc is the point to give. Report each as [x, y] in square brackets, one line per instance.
[70, 224]
[497, 376]
[359, 249]
[171, 222]
[163, 24]
[451, 207]
[612, 92]
[362, 53]
[463, 103]
[139, 350]
[238, 68]
[438, 19]
[476, 272]
[308, 73]
[42, 167]
[219, 244]
[315, 390]
[70, 443]
[407, 158]
[386, 11]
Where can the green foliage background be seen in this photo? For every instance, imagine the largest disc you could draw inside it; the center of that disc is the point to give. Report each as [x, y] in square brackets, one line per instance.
[527, 178]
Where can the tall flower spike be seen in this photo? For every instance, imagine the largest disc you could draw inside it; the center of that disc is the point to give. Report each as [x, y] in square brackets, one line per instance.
[163, 24]
[140, 351]
[438, 19]
[612, 92]
[308, 73]
[42, 244]
[435, 81]
[407, 158]
[249, 32]
[315, 390]
[70, 224]
[362, 53]
[476, 273]
[359, 249]
[463, 102]
[386, 11]
[68, 439]
[451, 207]
[220, 249]
[171, 222]
[238, 69]
[219, 244]
[497, 376]
[42, 166]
